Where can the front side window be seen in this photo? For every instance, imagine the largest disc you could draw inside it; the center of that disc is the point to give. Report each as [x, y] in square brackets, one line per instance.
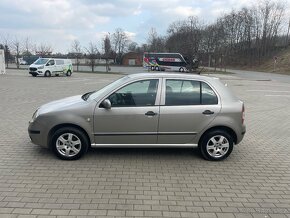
[50, 63]
[189, 92]
[136, 94]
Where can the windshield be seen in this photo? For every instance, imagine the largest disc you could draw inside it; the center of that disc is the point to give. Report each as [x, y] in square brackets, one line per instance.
[94, 95]
[41, 61]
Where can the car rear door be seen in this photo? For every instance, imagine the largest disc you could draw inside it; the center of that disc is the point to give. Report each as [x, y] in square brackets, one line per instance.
[133, 117]
[187, 107]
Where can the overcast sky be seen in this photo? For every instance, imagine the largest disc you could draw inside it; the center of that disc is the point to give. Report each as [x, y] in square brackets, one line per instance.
[59, 22]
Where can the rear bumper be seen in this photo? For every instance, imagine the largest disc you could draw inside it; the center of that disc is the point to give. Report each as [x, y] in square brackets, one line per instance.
[241, 134]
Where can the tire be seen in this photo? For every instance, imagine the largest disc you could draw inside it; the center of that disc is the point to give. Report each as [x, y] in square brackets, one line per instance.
[157, 68]
[69, 143]
[152, 68]
[68, 73]
[47, 74]
[181, 69]
[216, 145]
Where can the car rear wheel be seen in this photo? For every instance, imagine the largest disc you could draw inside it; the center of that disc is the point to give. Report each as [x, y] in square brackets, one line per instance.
[152, 68]
[47, 74]
[157, 68]
[216, 145]
[69, 143]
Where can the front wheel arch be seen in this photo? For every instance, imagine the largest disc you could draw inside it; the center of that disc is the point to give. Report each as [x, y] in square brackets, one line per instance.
[47, 73]
[57, 127]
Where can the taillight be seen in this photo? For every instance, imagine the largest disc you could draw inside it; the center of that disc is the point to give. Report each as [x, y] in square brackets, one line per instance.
[243, 114]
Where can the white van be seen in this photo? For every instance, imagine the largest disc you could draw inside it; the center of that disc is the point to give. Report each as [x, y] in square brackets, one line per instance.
[51, 66]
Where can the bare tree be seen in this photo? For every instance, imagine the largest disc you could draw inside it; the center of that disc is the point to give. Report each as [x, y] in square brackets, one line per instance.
[245, 36]
[6, 43]
[133, 46]
[17, 48]
[120, 42]
[92, 53]
[43, 50]
[28, 47]
[107, 51]
[185, 37]
[77, 52]
[155, 42]
[287, 35]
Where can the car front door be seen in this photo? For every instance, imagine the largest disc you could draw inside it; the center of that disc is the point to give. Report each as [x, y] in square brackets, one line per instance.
[187, 107]
[51, 66]
[133, 116]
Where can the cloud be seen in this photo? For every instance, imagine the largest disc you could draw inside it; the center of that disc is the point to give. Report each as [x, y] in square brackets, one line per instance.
[183, 11]
[58, 22]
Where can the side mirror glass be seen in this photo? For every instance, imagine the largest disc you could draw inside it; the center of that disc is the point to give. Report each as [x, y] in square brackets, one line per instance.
[106, 104]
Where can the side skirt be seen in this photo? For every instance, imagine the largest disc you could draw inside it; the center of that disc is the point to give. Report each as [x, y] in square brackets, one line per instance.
[144, 145]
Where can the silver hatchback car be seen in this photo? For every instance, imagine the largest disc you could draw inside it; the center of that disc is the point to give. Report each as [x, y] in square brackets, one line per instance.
[144, 110]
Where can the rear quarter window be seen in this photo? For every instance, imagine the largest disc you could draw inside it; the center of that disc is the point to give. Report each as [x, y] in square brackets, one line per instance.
[208, 96]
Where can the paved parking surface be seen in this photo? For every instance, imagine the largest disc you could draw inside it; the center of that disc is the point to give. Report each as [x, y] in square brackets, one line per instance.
[253, 182]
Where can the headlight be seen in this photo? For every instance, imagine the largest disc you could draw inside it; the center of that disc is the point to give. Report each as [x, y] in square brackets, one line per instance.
[41, 67]
[35, 115]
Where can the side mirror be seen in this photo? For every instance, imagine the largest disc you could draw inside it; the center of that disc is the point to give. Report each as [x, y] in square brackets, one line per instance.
[106, 104]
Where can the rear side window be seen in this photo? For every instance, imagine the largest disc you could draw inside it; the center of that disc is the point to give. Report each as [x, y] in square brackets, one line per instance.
[189, 92]
[59, 62]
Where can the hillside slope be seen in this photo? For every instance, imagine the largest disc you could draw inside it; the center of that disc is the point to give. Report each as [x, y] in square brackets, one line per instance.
[282, 64]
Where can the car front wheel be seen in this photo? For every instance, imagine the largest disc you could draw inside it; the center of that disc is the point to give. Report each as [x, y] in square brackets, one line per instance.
[69, 143]
[47, 74]
[216, 145]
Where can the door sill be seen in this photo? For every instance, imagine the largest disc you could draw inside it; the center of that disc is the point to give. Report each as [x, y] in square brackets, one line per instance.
[143, 145]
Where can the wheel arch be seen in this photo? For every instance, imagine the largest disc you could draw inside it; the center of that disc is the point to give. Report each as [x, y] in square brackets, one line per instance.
[50, 72]
[57, 127]
[224, 128]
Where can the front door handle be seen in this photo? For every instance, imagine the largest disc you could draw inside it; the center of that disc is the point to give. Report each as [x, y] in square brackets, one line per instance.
[150, 113]
[208, 112]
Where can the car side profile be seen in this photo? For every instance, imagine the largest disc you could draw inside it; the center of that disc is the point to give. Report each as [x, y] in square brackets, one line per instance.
[51, 67]
[144, 110]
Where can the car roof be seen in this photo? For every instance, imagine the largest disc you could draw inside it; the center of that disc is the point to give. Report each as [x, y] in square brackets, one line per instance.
[170, 75]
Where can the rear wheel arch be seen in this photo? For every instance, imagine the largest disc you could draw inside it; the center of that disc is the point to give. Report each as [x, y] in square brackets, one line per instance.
[229, 130]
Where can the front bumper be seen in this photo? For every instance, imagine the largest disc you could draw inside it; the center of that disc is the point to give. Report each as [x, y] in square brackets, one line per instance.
[36, 73]
[36, 134]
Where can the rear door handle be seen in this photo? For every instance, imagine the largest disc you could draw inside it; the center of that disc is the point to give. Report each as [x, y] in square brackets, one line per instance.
[208, 112]
[150, 113]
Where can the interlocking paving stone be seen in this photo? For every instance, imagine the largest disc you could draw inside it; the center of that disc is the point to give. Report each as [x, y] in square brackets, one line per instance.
[253, 182]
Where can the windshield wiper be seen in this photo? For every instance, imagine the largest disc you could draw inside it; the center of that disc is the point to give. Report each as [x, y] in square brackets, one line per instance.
[86, 95]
